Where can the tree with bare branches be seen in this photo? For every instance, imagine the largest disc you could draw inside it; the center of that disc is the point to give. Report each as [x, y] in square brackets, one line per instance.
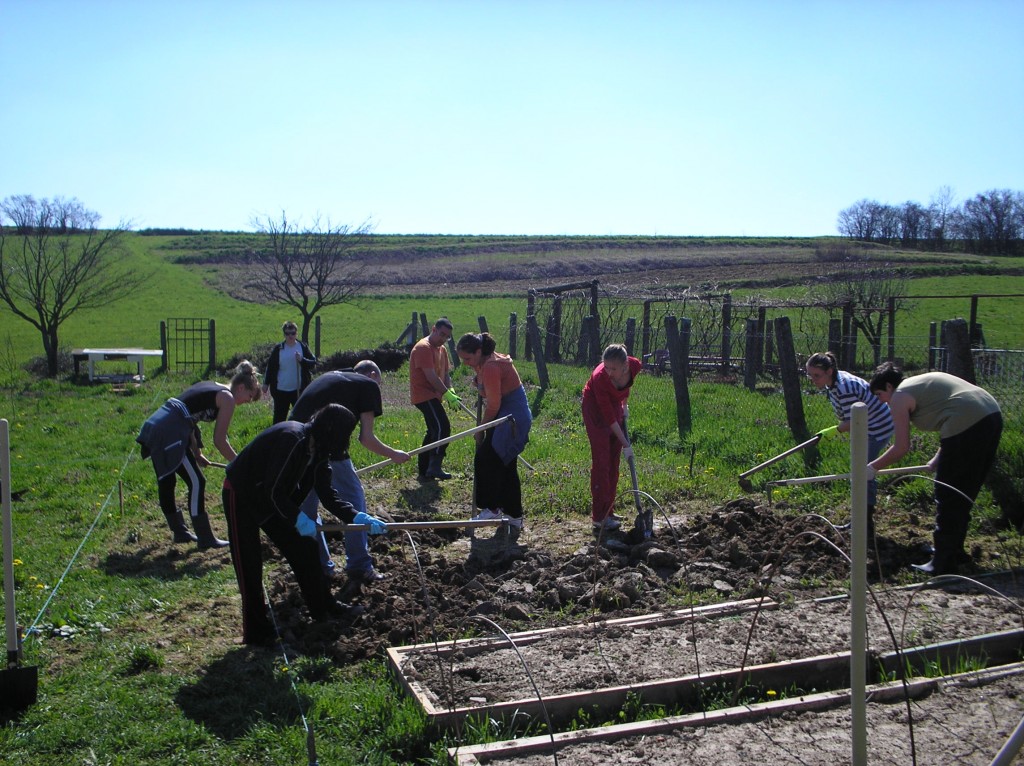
[58, 262]
[309, 267]
[870, 288]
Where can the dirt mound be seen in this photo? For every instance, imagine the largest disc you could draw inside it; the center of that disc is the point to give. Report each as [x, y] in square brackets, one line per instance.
[442, 583]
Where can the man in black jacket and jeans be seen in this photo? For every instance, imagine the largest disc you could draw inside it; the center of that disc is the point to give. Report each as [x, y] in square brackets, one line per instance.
[262, 490]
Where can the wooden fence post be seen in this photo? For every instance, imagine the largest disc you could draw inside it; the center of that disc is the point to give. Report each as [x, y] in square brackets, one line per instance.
[424, 327]
[762, 314]
[513, 334]
[583, 352]
[931, 346]
[973, 332]
[835, 337]
[213, 347]
[726, 332]
[849, 338]
[533, 339]
[531, 300]
[750, 356]
[164, 361]
[892, 330]
[482, 322]
[453, 355]
[791, 388]
[679, 362]
[959, 360]
[645, 329]
[554, 345]
[630, 335]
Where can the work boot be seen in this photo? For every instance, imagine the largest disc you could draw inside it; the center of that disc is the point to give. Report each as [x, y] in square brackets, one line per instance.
[205, 537]
[176, 522]
[939, 565]
[944, 559]
[434, 469]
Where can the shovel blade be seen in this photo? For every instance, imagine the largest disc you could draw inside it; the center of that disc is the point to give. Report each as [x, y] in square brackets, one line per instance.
[19, 688]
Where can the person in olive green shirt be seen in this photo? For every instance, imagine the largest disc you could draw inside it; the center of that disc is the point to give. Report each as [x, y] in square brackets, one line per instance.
[969, 423]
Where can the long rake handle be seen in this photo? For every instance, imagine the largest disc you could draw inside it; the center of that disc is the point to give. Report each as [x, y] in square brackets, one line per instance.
[438, 443]
[839, 476]
[803, 445]
[455, 524]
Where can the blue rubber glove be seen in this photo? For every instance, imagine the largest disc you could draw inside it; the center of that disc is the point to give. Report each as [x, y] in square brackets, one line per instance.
[305, 526]
[832, 432]
[377, 527]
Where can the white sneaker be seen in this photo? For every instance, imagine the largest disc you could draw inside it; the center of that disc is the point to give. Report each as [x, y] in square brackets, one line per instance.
[514, 521]
[486, 514]
[607, 525]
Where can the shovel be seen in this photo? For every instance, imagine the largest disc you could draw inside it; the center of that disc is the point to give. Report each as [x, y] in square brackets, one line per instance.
[18, 686]
[745, 483]
[644, 519]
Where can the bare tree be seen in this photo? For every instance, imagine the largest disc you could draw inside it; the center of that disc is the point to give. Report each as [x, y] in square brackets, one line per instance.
[943, 212]
[993, 221]
[870, 288]
[64, 264]
[22, 210]
[308, 267]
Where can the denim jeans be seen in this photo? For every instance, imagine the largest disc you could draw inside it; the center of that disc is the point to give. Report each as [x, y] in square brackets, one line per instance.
[349, 488]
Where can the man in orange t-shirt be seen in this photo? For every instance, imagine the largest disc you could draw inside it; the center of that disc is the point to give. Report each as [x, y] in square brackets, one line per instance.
[429, 382]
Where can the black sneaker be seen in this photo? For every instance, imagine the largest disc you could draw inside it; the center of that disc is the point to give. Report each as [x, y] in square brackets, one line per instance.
[339, 610]
[370, 575]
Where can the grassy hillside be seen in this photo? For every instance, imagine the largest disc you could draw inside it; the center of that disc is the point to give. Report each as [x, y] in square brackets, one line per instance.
[204, 275]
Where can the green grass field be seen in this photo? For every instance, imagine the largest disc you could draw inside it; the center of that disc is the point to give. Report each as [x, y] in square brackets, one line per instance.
[133, 639]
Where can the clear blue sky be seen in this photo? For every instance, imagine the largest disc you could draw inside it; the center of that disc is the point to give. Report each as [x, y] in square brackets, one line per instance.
[717, 117]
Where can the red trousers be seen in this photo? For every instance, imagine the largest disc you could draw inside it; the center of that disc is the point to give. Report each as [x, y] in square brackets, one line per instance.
[605, 450]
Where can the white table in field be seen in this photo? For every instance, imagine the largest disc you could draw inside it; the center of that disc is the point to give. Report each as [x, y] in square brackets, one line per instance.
[93, 355]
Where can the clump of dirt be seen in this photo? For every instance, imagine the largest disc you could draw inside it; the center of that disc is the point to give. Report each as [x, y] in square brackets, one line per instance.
[444, 583]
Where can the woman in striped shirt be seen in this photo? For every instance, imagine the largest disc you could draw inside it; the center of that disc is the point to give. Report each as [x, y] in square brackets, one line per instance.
[844, 390]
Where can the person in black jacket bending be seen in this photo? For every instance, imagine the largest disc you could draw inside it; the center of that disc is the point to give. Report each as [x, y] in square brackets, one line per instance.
[263, 488]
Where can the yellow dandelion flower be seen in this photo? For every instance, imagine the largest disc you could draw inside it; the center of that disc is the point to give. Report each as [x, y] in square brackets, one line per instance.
[771, 693]
[18, 562]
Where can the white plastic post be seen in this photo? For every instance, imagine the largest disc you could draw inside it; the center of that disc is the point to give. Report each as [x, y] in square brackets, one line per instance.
[11, 620]
[858, 580]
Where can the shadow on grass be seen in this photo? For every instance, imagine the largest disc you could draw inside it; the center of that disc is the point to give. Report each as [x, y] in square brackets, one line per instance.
[424, 496]
[240, 691]
[166, 563]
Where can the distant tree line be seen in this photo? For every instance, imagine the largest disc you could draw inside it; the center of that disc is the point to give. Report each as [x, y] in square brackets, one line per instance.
[991, 222]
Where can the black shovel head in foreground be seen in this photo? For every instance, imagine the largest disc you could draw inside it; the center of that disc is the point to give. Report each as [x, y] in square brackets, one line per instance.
[18, 689]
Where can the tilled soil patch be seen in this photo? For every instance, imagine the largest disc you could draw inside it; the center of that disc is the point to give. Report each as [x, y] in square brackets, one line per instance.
[598, 655]
[963, 722]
